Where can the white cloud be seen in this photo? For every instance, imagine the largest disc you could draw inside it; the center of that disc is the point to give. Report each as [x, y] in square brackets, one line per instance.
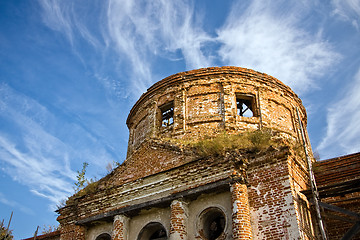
[137, 31]
[33, 153]
[40, 173]
[57, 17]
[348, 10]
[343, 123]
[143, 30]
[269, 40]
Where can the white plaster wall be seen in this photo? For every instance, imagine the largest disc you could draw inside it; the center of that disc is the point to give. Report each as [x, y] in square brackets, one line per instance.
[137, 223]
[100, 228]
[162, 215]
[222, 201]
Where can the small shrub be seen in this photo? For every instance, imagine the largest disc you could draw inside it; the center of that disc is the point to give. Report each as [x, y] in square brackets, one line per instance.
[5, 233]
[91, 187]
[81, 179]
[83, 185]
[48, 229]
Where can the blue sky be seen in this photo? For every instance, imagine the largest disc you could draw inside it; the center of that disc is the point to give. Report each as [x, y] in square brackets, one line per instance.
[70, 71]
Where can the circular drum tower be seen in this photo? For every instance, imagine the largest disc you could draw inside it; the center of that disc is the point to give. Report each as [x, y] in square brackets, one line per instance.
[208, 101]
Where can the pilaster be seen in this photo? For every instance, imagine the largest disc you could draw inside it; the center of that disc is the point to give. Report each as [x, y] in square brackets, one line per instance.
[240, 212]
[178, 220]
[120, 227]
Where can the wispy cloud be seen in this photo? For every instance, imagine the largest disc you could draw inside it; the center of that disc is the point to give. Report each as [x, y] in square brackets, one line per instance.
[34, 155]
[138, 32]
[57, 17]
[16, 205]
[143, 30]
[268, 37]
[37, 172]
[348, 10]
[343, 122]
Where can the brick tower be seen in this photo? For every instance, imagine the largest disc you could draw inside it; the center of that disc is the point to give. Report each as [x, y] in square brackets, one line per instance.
[213, 154]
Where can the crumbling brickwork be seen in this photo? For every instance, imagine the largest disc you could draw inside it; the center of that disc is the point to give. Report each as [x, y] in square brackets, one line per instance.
[241, 213]
[205, 104]
[179, 215]
[120, 227]
[71, 232]
[271, 198]
[167, 189]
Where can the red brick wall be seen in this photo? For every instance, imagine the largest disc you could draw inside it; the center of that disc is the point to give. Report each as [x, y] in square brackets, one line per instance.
[71, 232]
[271, 200]
[120, 228]
[241, 213]
[205, 104]
[178, 220]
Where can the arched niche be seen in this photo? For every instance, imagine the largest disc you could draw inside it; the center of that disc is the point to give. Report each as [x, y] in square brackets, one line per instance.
[153, 231]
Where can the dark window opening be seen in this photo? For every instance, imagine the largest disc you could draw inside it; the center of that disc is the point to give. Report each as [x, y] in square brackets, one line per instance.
[212, 223]
[167, 114]
[245, 105]
[103, 236]
[159, 234]
[153, 231]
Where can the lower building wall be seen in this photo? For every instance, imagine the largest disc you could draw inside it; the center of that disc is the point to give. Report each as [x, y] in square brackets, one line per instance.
[193, 219]
[98, 229]
[271, 199]
[145, 217]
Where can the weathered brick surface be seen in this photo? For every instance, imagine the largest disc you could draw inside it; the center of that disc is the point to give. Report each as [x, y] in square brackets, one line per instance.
[205, 104]
[190, 175]
[71, 232]
[120, 228]
[155, 156]
[271, 198]
[178, 221]
[241, 213]
[337, 228]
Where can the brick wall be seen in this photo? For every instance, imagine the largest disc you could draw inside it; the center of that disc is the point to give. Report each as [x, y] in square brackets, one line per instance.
[241, 213]
[178, 220]
[120, 227]
[273, 214]
[338, 182]
[71, 232]
[190, 175]
[337, 228]
[205, 104]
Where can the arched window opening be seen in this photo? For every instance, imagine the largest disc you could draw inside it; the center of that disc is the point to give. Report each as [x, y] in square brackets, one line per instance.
[167, 114]
[103, 236]
[212, 223]
[245, 105]
[153, 231]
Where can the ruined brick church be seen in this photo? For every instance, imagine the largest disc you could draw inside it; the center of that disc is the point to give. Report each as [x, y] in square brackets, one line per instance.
[213, 153]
